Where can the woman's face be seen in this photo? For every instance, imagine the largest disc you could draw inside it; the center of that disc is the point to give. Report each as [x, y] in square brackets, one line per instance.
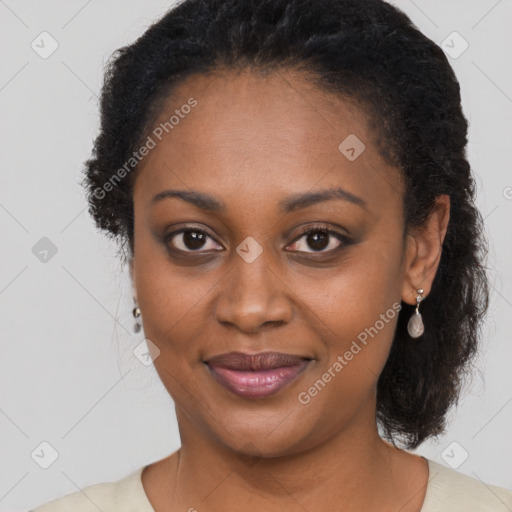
[254, 156]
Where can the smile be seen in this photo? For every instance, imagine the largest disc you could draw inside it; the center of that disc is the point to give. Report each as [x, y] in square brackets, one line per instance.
[257, 375]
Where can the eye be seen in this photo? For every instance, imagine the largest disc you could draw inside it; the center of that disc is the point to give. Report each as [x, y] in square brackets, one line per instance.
[191, 240]
[320, 240]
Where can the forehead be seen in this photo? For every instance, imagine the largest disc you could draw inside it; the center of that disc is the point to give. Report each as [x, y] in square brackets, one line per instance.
[261, 134]
[284, 107]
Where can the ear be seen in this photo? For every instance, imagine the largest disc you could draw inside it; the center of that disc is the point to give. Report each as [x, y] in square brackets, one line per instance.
[131, 264]
[423, 251]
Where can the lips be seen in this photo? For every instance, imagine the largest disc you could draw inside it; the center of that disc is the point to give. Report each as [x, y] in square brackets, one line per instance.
[256, 375]
[247, 362]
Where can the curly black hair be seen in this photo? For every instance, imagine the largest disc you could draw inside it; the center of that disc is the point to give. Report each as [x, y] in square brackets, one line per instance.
[365, 50]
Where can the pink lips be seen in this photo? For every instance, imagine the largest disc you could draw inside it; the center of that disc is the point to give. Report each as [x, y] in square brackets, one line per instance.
[256, 375]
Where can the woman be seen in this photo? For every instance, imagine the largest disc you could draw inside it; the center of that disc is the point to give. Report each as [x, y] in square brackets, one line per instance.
[288, 182]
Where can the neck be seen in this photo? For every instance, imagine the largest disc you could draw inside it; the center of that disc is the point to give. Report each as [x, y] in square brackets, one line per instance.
[341, 470]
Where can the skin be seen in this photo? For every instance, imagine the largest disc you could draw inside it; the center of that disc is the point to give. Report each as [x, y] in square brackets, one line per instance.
[251, 142]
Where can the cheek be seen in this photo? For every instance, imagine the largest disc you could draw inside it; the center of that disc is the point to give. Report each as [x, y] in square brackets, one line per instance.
[353, 296]
[355, 311]
[172, 302]
[170, 297]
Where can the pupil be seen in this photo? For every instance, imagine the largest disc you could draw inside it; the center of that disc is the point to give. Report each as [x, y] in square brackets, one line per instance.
[193, 239]
[318, 240]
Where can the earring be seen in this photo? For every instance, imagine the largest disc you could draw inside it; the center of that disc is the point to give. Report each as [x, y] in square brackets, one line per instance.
[136, 314]
[415, 326]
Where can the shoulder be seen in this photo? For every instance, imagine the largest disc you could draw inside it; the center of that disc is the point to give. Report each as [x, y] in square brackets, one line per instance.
[450, 491]
[126, 495]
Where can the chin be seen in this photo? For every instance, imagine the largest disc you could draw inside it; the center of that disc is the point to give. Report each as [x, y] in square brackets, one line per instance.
[268, 434]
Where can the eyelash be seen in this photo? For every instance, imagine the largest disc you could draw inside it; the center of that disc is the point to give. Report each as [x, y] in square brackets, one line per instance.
[343, 239]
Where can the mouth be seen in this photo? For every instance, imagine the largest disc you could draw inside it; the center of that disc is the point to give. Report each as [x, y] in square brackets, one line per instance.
[256, 375]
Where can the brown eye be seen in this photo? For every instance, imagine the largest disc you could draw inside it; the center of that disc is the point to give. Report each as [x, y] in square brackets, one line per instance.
[192, 240]
[319, 240]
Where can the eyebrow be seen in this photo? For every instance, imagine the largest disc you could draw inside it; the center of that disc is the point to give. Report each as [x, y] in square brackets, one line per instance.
[287, 205]
[199, 199]
[298, 201]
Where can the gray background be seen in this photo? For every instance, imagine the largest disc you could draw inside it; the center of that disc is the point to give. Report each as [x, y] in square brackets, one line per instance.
[68, 373]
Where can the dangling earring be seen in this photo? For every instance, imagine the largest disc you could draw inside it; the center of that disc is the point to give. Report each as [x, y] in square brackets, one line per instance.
[415, 326]
[136, 314]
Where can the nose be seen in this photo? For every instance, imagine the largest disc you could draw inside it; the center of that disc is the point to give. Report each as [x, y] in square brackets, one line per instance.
[253, 297]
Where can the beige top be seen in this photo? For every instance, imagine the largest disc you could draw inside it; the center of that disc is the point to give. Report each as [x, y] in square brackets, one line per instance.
[447, 491]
